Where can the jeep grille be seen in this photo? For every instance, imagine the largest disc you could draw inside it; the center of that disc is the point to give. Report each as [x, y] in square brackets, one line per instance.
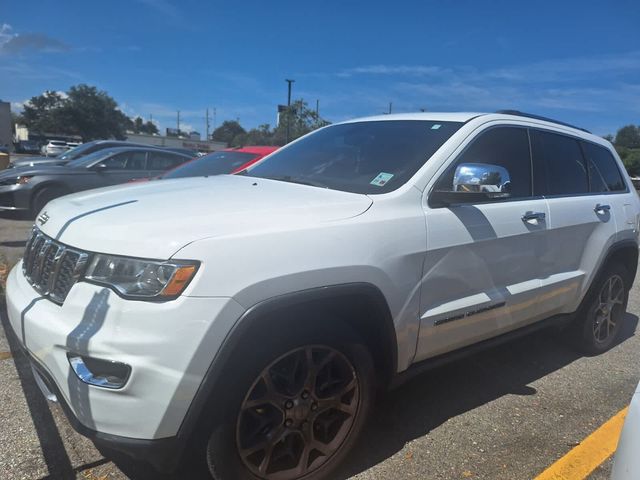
[51, 267]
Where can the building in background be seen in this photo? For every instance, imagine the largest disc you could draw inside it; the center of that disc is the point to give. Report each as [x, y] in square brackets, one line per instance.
[192, 142]
[6, 136]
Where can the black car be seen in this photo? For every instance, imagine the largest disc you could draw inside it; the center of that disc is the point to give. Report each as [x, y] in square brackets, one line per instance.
[29, 188]
[75, 153]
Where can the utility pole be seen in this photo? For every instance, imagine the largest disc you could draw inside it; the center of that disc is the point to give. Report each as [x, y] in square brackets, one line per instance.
[289, 108]
[390, 105]
[207, 123]
[317, 108]
[214, 119]
[178, 122]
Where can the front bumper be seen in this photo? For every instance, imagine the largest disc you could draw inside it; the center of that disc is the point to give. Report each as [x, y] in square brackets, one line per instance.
[13, 197]
[169, 346]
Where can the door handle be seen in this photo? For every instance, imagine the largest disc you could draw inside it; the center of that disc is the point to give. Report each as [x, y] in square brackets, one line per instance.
[529, 216]
[602, 209]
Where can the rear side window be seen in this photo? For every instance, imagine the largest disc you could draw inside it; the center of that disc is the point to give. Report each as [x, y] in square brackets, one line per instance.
[604, 174]
[506, 147]
[558, 165]
[164, 161]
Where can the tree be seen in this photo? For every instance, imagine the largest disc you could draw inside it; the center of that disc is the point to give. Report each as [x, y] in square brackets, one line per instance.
[263, 135]
[301, 119]
[628, 137]
[83, 110]
[42, 113]
[631, 162]
[150, 128]
[227, 132]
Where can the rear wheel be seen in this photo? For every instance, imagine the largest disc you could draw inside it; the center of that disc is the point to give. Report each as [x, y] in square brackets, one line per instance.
[296, 414]
[602, 313]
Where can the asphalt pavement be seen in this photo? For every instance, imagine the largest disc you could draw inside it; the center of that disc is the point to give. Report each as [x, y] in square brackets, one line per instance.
[506, 413]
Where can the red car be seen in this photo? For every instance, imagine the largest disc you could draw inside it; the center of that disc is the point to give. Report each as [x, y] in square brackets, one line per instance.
[231, 160]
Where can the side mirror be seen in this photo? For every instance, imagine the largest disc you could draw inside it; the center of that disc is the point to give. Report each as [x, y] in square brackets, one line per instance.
[99, 167]
[474, 182]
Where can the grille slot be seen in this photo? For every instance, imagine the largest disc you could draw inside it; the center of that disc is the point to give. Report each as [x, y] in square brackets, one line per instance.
[51, 267]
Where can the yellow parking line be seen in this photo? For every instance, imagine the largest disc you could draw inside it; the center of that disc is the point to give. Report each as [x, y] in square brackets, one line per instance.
[5, 355]
[592, 452]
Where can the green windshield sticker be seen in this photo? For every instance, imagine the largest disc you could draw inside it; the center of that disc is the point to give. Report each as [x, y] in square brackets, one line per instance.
[382, 179]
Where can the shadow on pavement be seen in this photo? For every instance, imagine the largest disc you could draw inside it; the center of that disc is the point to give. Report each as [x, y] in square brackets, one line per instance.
[409, 412]
[53, 450]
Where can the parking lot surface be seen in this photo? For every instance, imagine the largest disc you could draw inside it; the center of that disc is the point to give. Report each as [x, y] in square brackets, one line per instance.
[506, 413]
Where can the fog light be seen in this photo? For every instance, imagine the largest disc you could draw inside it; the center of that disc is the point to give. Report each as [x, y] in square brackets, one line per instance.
[101, 373]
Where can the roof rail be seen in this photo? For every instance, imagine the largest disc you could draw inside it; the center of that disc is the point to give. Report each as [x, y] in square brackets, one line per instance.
[538, 117]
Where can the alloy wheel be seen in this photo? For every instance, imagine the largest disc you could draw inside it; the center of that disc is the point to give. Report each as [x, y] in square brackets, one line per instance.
[609, 310]
[298, 413]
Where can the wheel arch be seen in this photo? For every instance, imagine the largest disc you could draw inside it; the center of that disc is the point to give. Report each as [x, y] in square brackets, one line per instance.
[625, 252]
[45, 185]
[364, 298]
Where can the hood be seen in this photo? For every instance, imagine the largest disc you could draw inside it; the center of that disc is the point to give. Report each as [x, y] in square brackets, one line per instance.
[31, 161]
[34, 170]
[156, 219]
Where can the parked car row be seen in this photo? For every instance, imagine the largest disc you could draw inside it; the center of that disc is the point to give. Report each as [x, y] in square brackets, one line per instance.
[32, 183]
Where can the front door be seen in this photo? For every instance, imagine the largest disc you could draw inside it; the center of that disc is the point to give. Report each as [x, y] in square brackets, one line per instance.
[481, 275]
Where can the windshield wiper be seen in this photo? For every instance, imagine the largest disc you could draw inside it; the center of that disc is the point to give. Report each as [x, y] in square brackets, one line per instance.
[290, 179]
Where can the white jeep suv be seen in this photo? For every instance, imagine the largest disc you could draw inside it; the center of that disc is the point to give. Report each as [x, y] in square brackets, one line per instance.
[258, 313]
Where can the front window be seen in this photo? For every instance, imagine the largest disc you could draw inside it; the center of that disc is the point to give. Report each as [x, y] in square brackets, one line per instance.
[359, 157]
[214, 164]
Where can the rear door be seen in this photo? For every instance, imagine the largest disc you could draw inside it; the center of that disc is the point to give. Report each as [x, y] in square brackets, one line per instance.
[582, 217]
[481, 275]
[119, 168]
[159, 162]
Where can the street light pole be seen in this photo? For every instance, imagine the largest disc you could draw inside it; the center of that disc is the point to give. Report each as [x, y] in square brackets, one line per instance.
[289, 108]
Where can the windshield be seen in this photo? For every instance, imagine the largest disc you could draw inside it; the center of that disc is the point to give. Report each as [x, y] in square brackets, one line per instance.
[214, 164]
[361, 157]
[89, 159]
[77, 151]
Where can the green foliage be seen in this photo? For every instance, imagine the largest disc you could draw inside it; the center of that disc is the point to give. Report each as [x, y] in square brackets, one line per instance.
[628, 136]
[43, 112]
[631, 162]
[302, 121]
[83, 110]
[140, 126]
[227, 132]
[627, 144]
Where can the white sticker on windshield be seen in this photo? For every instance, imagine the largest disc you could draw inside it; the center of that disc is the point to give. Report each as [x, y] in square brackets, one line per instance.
[436, 126]
[381, 179]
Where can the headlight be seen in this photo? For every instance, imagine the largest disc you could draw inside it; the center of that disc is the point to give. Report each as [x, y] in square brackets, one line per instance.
[16, 180]
[143, 279]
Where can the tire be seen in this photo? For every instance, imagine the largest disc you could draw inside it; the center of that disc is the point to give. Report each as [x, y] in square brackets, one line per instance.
[44, 196]
[601, 314]
[293, 415]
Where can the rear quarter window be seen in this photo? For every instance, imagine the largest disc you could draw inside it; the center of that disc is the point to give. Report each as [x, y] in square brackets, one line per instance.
[604, 174]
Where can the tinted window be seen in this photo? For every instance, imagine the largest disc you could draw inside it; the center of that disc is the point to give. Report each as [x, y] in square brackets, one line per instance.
[558, 164]
[164, 161]
[117, 162]
[506, 147]
[360, 157]
[604, 175]
[136, 160]
[212, 164]
[127, 160]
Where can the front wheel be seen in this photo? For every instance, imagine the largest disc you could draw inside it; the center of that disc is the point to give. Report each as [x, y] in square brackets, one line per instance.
[297, 415]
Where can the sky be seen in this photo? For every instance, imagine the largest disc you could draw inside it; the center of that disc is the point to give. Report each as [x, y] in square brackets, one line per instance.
[577, 61]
